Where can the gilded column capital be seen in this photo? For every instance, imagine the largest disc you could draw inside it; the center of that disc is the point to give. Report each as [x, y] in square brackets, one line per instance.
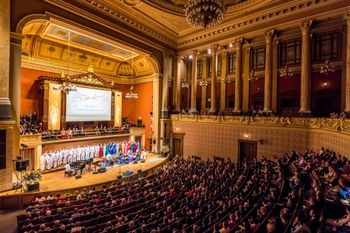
[239, 41]
[347, 19]
[214, 48]
[269, 35]
[305, 26]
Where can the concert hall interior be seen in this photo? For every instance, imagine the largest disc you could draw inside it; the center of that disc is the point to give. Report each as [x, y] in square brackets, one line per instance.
[175, 116]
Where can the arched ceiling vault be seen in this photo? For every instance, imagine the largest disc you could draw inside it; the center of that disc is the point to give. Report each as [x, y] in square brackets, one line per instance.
[47, 44]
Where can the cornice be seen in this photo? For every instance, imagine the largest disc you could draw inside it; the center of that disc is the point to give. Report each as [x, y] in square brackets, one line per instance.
[130, 21]
[279, 16]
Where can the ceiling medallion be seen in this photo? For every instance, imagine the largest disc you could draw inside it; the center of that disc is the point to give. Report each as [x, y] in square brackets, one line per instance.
[204, 13]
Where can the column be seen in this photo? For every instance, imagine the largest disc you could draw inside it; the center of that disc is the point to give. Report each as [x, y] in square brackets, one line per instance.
[15, 69]
[15, 86]
[223, 81]
[156, 110]
[274, 76]
[238, 79]
[5, 104]
[188, 80]
[305, 68]
[246, 70]
[194, 82]
[347, 78]
[177, 87]
[268, 71]
[204, 88]
[165, 93]
[213, 79]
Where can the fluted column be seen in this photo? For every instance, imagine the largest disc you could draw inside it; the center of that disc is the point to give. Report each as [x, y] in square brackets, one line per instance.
[177, 88]
[188, 80]
[5, 103]
[214, 61]
[238, 79]
[223, 82]
[268, 71]
[274, 76]
[347, 78]
[194, 82]
[165, 94]
[305, 68]
[204, 88]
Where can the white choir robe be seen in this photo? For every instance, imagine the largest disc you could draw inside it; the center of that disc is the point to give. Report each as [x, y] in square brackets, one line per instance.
[70, 158]
[55, 159]
[78, 154]
[60, 158]
[65, 157]
[74, 155]
[43, 162]
[49, 162]
[97, 151]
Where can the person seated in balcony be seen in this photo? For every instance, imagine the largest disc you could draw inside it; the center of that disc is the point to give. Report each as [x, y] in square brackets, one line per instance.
[69, 133]
[63, 134]
[97, 130]
[341, 224]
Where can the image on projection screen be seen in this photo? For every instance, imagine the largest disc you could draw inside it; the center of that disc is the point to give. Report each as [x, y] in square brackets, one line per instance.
[87, 104]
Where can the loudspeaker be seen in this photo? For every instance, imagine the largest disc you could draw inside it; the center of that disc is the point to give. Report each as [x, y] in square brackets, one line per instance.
[77, 176]
[95, 172]
[21, 165]
[102, 170]
[119, 177]
[135, 162]
[142, 160]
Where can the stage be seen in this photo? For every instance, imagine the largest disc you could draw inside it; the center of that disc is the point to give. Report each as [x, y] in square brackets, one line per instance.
[56, 182]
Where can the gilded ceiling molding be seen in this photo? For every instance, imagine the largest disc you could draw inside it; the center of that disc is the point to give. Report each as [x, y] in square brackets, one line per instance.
[251, 20]
[131, 22]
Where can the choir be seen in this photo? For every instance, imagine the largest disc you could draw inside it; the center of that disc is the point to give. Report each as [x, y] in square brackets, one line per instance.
[54, 159]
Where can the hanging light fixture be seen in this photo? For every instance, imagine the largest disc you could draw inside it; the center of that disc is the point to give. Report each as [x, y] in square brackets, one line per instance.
[327, 68]
[204, 13]
[203, 82]
[131, 94]
[286, 72]
[66, 85]
[252, 76]
[185, 84]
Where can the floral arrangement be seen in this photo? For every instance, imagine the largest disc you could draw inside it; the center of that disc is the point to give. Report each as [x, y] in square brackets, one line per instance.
[32, 177]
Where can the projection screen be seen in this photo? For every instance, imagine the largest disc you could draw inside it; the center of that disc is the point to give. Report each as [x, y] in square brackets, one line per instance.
[87, 104]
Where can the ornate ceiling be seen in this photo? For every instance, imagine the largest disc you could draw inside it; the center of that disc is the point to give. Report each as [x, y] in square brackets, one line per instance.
[46, 45]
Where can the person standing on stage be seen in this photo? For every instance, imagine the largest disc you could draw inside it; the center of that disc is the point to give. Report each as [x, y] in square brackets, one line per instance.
[60, 157]
[78, 153]
[49, 160]
[55, 158]
[43, 162]
[143, 155]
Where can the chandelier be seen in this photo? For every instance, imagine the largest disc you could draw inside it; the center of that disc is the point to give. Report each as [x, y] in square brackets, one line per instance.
[252, 76]
[185, 84]
[286, 72]
[66, 86]
[203, 82]
[227, 80]
[131, 94]
[204, 13]
[327, 68]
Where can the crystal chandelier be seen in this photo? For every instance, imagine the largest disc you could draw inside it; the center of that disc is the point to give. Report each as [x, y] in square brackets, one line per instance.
[131, 94]
[185, 84]
[203, 82]
[252, 76]
[204, 13]
[66, 86]
[286, 72]
[327, 68]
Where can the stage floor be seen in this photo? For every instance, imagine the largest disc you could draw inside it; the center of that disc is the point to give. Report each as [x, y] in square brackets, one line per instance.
[56, 181]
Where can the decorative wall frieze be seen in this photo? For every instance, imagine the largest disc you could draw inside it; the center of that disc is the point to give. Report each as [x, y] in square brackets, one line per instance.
[336, 125]
[253, 20]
